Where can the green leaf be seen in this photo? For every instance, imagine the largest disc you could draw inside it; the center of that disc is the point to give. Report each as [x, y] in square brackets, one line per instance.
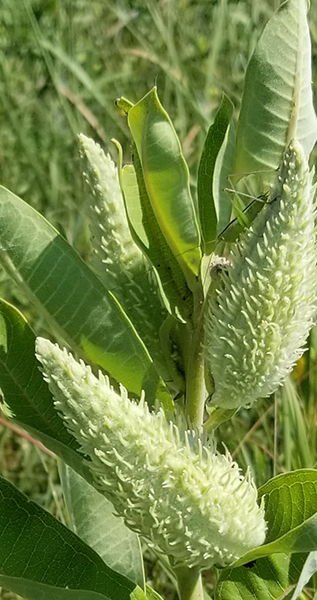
[291, 510]
[175, 293]
[271, 569]
[291, 514]
[68, 292]
[208, 202]
[92, 519]
[277, 99]
[41, 558]
[27, 394]
[166, 179]
[269, 578]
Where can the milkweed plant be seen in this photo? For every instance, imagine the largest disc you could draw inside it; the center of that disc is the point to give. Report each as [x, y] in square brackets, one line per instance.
[188, 311]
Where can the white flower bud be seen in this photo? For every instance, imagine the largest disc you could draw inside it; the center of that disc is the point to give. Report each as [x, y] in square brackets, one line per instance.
[257, 324]
[169, 484]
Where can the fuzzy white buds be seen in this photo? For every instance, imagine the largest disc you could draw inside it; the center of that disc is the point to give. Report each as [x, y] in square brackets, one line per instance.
[265, 306]
[169, 484]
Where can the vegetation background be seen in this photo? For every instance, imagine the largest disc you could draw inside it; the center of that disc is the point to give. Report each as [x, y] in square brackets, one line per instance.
[62, 65]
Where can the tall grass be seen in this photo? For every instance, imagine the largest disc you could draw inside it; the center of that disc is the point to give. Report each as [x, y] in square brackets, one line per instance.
[64, 63]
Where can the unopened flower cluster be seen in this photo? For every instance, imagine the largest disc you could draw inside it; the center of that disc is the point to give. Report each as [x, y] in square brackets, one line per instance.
[168, 483]
[265, 307]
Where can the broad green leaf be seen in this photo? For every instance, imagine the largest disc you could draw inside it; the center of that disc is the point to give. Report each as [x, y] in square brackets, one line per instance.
[27, 394]
[277, 99]
[271, 578]
[166, 179]
[118, 260]
[274, 568]
[69, 294]
[176, 295]
[209, 209]
[92, 519]
[41, 558]
[291, 514]
[291, 506]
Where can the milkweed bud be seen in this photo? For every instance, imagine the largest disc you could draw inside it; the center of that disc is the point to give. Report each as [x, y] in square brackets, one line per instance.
[169, 484]
[257, 324]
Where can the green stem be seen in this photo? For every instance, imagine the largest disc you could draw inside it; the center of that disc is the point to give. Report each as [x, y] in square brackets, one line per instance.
[189, 584]
[196, 393]
[195, 372]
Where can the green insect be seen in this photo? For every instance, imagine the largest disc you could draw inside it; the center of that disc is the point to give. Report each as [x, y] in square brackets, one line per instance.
[244, 216]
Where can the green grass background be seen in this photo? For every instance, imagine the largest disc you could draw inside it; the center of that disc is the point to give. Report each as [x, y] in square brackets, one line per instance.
[62, 65]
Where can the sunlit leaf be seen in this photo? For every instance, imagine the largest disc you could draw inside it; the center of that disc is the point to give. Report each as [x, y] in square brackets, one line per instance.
[291, 514]
[175, 292]
[277, 101]
[166, 179]
[72, 297]
[275, 568]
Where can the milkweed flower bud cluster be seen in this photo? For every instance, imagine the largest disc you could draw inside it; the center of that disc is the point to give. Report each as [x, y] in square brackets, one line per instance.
[260, 318]
[168, 483]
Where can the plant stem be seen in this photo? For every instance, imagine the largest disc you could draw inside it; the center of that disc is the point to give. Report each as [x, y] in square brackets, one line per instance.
[189, 584]
[196, 393]
[195, 371]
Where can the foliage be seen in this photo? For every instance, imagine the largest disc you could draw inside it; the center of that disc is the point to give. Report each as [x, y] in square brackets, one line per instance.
[151, 337]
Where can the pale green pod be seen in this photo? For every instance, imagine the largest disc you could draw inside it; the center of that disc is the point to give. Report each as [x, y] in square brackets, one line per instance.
[169, 484]
[257, 326]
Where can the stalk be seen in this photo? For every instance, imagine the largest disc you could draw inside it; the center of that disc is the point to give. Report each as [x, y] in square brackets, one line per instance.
[189, 584]
[196, 392]
[195, 371]
[189, 580]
